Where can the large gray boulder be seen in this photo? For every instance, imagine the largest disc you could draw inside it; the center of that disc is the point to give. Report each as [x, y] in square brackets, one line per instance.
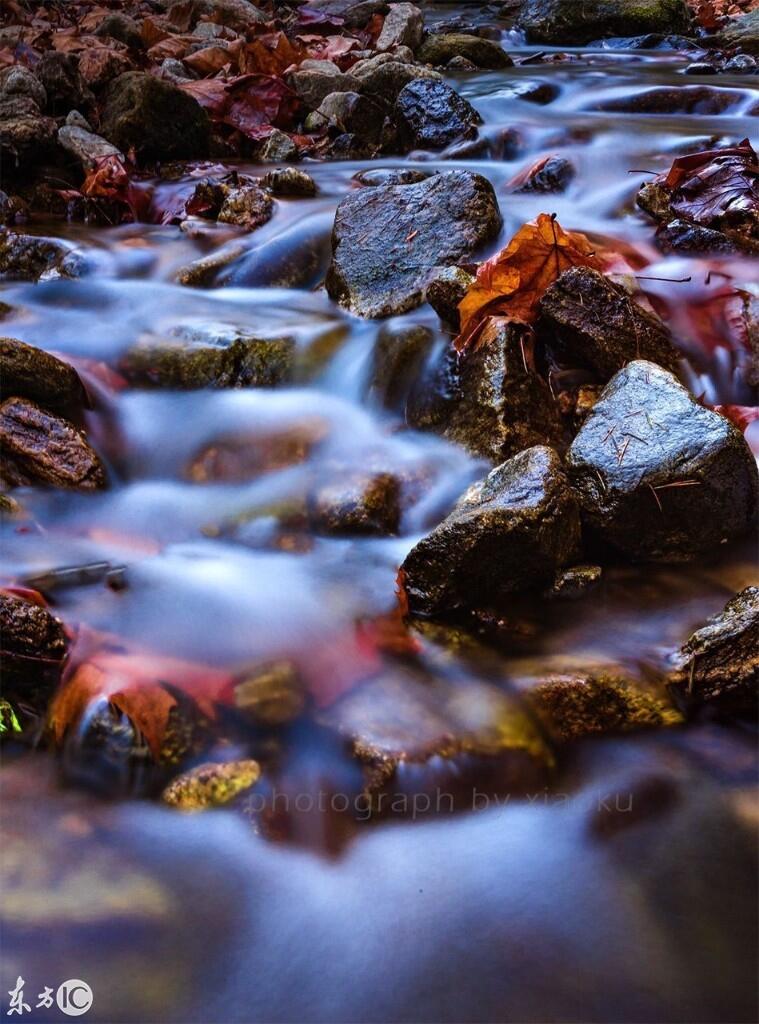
[660, 477]
[570, 22]
[389, 240]
[511, 531]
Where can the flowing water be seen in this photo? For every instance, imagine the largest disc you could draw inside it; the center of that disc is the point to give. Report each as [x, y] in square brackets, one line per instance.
[516, 912]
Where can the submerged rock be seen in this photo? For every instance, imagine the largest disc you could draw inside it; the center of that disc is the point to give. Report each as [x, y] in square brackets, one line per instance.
[356, 503]
[573, 583]
[38, 447]
[290, 181]
[511, 531]
[568, 23]
[412, 733]
[589, 320]
[399, 354]
[154, 117]
[217, 356]
[388, 241]
[552, 175]
[29, 372]
[659, 476]
[271, 694]
[211, 785]
[501, 404]
[432, 115]
[28, 257]
[440, 48]
[720, 661]
[571, 706]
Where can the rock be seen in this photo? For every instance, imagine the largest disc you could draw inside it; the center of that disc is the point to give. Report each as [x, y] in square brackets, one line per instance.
[355, 13]
[211, 785]
[122, 28]
[175, 71]
[539, 93]
[217, 356]
[26, 137]
[432, 115]
[248, 207]
[439, 49]
[64, 85]
[741, 33]
[18, 80]
[28, 257]
[553, 175]
[202, 273]
[446, 290]
[501, 405]
[684, 99]
[35, 646]
[700, 68]
[575, 582]
[154, 117]
[355, 503]
[403, 26]
[41, 448]
[315, 80]
[272, 694]
[398, 357]
[660, 477]
[391, 176]
[589, 320]
[87, 147]
[681, 236]
[388, 241]
[740, 64]
[100, 66]
[457, 65]
[352, 112]
[409, 730]
[239, 15]
[720, 662]
[279, 148]
[383, 77]
[76, 120]
[29, 372]
[572, 706]
[290, 182]
[238, 458]
[511, 531]
[567, 23]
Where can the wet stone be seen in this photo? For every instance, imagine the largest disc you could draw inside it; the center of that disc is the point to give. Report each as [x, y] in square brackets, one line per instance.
[290, 182]
[41, 448]
[555, 175]
[388, 241]
[501, 404]
[572, 706]
[573, 583]
[432, 115]
[720, 661]
[660, 477]
[279, 148]
[682, 236]
[241, 457]
[446, 290]
[248, 207]
[154, 117]
[353, 113]
[412, 732]
[29, 372]
[391, 176]
[691, 99]
[399, 354]
[511, 531]
[355, 503]
[34, 648]
[383, 76]
[28, 257]
[589, 320]
[211, 785]
[271, 695]
[217, 356]
[441, 48]
[567, 23]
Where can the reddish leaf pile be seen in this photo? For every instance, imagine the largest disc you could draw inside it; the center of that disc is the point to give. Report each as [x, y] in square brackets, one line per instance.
[707, 186]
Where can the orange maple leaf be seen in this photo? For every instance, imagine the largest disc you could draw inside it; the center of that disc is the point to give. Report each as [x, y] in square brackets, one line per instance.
[512, 282]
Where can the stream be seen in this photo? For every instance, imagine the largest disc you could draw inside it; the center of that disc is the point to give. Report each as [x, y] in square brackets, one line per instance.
[548, 905]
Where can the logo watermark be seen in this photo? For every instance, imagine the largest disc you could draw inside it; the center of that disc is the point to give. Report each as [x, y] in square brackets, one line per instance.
[73, 997]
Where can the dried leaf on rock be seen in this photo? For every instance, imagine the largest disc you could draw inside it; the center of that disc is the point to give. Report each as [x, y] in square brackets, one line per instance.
[512, 282]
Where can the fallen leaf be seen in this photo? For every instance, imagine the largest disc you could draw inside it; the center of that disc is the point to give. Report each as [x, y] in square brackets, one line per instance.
[741, 415]
[713, 183]
[512, 282]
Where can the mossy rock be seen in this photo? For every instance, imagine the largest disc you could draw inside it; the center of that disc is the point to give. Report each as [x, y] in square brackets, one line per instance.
[573, 23]
[211, 785]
